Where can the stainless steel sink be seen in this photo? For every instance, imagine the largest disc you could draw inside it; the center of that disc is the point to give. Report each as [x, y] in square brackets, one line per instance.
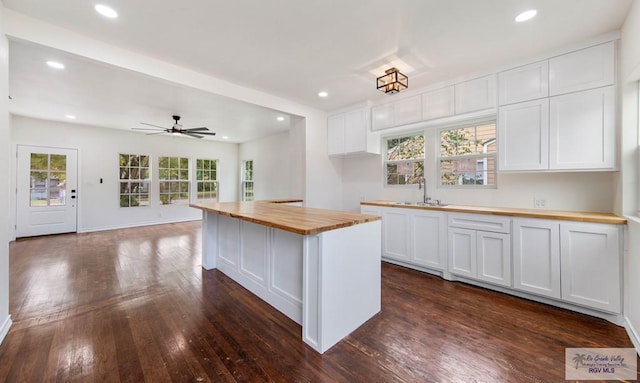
[428, 204]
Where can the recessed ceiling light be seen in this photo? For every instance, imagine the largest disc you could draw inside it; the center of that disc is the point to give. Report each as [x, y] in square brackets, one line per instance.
[526, 15]
[280, 118]
[55, 64]
[323, 94]
[106, 11]
[70, 116]
[225, 137]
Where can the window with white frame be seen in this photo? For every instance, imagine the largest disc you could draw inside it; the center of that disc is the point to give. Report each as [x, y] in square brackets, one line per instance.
[134, 180]
[404, 160]
[247, 180]
[467, 155]
[207, 180]
[173, 177]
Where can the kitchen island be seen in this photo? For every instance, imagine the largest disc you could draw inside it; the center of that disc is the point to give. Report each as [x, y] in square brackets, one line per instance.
[321, 268]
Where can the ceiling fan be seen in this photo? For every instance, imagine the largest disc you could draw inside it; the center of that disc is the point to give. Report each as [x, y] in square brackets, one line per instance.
[177, 129]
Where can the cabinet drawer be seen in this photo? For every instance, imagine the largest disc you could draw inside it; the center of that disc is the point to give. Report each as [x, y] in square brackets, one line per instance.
[480, 222]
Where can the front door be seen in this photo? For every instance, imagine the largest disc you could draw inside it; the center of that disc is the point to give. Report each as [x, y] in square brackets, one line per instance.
[47, 188]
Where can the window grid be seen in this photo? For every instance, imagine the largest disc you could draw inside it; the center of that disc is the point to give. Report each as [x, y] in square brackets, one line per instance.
[247, 181]
[207, 179]
[48, 178]
[404, 160]
[134, 180]
[173, 176]
[468, 156]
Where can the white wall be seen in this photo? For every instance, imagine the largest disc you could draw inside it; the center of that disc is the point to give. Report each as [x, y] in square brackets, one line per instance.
[627, 186]
[324, 186]
[271, 166]
[5, 319]
[98, 149]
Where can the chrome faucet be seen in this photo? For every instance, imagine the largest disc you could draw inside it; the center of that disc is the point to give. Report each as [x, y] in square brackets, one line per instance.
[422, 184]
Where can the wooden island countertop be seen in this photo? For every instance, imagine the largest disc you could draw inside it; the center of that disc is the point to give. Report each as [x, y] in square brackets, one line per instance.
[514, 212]
[299, 220]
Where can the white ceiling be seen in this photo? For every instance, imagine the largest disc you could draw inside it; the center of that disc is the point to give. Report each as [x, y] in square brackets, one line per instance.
[287, 48]
[104, 95]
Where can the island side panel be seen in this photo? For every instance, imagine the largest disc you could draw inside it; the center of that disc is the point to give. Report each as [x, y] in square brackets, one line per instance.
[265, 261]
[343, 270]
[209, 240]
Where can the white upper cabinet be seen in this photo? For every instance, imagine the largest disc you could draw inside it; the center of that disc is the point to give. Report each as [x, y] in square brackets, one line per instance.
[584, 69]
[438, 103]
[355, 131]
[477, 94]
[401, 112]
[524, 83]
[348, 134]
[523, 130]
[574, 128]
[582, 131]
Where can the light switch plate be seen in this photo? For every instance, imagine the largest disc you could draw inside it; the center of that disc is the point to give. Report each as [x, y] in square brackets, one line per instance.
[539, 203]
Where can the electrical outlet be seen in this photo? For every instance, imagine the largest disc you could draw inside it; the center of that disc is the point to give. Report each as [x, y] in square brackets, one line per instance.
[363, 198]
[539, 203]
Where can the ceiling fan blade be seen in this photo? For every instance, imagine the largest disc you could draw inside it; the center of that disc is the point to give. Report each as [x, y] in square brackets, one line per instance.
[207, 133]
[148, 129]
[191, 134]
[153, 134]
[161, 127]
[196, 129]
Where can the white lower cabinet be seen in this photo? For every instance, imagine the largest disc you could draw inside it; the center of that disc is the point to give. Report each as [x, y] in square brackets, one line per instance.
[395, 234]
[571, 262]
[590, 265]
[494, 257]
[428, 239]
[577, 262]
[536, 256]
[462, 252]
[479, 254]
[413, 236]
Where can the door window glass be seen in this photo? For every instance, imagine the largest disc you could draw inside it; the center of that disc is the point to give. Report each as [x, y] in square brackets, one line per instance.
[48, 183]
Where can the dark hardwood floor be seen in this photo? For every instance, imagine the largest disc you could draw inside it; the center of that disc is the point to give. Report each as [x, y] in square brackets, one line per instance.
[134, 305]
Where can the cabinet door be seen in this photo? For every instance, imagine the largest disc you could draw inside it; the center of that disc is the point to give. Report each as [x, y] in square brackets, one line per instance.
[582, 131]
[381, 117]
[355, 131]
[335, 134]
[476, 94]
[462, 252]
[590, 265]
[395, 234]
[429, 239]
[584, 69]
[523, 133]
[407, 111]
[438, 103]
[536, 256]
[525, 83]
[494, 258]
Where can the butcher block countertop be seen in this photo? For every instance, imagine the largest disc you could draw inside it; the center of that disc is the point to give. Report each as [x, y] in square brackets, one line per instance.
[513, 212]
[295, 219]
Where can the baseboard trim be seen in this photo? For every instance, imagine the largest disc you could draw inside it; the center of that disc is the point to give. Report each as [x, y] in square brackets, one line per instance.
[4, 330]
[633, 334]
[141, 224]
